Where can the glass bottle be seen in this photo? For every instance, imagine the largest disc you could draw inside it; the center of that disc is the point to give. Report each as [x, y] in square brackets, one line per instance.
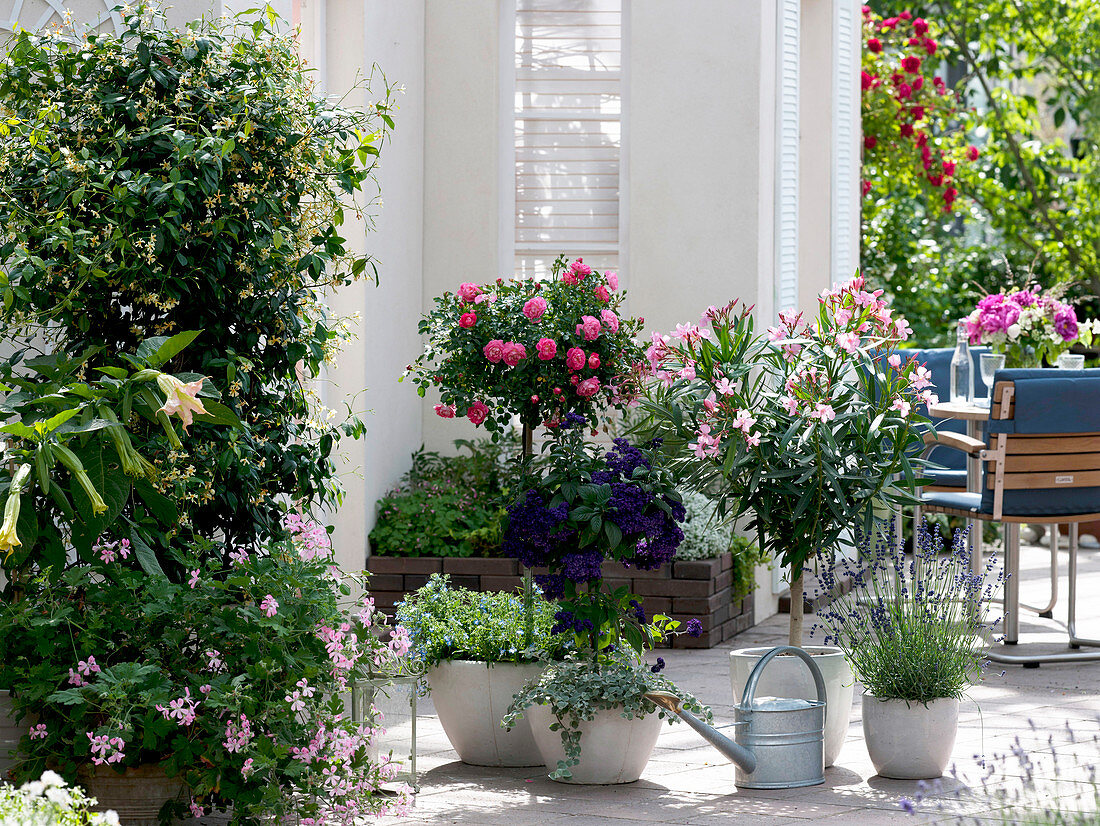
[962, 371]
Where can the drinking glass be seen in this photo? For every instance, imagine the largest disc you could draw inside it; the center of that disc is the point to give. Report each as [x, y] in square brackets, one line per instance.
[991, 363]
[1071, 361]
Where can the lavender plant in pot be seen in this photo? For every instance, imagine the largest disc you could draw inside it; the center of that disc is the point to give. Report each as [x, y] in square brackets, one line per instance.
[915, 632]
[588, 713]
[805, 431]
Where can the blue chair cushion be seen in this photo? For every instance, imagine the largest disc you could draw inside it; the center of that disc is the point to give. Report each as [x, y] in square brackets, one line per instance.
[946, 478]
[1052, 401]
[956, 501]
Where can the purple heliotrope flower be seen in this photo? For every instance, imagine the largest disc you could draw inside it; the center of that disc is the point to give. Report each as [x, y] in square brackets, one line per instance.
[694, 627]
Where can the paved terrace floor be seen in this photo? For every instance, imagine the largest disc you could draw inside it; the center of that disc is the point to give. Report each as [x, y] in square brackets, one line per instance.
[688, 783]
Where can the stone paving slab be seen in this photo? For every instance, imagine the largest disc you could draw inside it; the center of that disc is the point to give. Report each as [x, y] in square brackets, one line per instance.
[687, 783]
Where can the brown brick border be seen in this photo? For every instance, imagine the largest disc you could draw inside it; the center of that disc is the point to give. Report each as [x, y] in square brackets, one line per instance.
[687, 589]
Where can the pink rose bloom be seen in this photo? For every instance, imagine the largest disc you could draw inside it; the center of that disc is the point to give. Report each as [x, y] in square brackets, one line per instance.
[610, 319]
[594, 362]
[580, 269]
[613, 281]
[567, 277]
[514, 353]
[494, 350]
[602, 294]
[589, 387]
[468, 292]
[547, 348]
[477, 412]
[535, 308]
[589, 327]
[444, 411]
[467, 320]
[574, 358]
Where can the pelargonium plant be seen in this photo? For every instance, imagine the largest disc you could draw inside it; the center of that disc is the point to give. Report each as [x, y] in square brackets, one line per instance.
[1027, 325]
[807, 429]
[913, 628]
[230, 681]
[910, 117]
[589, 506]
[536, 349]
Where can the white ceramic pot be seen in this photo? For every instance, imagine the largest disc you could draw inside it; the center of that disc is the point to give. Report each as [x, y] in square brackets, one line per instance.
[909, 740]
[613, 748]
[471, 698]
[10, 733]
[789, 677]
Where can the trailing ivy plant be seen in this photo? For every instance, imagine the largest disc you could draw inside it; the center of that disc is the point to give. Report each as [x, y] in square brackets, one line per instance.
[155, 182]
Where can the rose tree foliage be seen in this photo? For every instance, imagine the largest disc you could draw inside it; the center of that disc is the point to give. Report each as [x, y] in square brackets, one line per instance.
[807, 430]
[539, 349]
[157, 182]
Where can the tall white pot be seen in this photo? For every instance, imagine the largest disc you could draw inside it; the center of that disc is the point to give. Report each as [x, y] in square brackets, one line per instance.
[789, 677]
[10, 733]
[910, 740]
[471, 698]
[613, 749]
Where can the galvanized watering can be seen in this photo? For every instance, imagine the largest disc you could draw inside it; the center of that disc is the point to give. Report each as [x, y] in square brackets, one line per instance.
[780, 742]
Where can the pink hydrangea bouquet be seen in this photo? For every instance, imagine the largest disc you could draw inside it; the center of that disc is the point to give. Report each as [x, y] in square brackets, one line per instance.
[807, 429]
[539, 349]
[1026, 325]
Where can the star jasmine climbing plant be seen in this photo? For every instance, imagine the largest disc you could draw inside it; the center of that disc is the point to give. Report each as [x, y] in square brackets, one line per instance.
[806, 430]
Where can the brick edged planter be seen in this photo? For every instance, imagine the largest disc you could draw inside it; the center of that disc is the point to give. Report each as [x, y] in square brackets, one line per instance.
[687, 589]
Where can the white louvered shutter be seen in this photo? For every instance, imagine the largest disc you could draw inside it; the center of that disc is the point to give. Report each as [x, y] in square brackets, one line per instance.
[786, 200]
[846, 162]
[568, 107]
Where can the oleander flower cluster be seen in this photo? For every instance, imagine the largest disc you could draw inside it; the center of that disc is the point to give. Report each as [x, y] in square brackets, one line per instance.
[1025, 324]
[910, 117]
[801, 428]
[232, 679]
[539, 349]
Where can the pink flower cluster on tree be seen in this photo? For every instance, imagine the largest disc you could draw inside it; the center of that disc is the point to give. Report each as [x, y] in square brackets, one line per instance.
[909, 114]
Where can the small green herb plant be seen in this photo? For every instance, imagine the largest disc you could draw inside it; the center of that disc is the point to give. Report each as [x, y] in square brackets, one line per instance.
[576, 691]
[446, 623]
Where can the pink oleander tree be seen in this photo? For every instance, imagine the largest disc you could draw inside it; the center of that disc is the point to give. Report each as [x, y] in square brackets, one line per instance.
[809, 430]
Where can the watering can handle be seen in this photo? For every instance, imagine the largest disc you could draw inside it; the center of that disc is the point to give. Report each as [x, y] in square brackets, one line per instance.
[749, 693]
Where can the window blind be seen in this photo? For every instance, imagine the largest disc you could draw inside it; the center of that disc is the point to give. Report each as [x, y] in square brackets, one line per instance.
[846, 161]
[568, 107]
[786, 196]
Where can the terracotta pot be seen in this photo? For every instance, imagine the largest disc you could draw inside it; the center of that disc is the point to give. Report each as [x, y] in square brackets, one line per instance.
[789, 677]
[910, 740]
[471, 698]
[10, 733]
[613, 749]
[136, 794]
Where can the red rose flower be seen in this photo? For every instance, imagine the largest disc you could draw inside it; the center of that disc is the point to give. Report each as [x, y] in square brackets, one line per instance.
[911, 64]
[874, 45]
[920, 25]
[972, 153]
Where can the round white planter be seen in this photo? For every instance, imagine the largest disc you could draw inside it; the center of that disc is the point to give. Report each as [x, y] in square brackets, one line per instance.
[908, 740]
[789, 677]
[613, 748]
[471, 698]
[10, 733]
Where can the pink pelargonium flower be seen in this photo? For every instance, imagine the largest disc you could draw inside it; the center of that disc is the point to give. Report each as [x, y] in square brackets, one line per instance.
[467, 320]
[612, 281]
[444, 411]
[88, 667]
[494, 350]
[514, 353]
[269, 606]
[535, 308]
[180, 399]
[477, 412]
[547, 348]
[194, 580]
[589, 328]
[610, 320]
[183, 709]
[39, 732]
[574, 358]
[105, 749]
[468, 292]
[589, 387]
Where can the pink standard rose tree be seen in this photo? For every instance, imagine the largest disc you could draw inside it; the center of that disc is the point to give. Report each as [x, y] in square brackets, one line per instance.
[807, 429]
[539, 349]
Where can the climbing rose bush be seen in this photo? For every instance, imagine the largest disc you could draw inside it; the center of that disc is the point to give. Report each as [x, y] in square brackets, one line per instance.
[910, 117]
[230, 680]
[539, 349]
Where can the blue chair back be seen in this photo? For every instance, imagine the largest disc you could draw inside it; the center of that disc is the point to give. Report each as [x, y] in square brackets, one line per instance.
[1058, 472]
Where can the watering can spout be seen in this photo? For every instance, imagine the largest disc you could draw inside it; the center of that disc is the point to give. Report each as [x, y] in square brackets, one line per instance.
[737, 753]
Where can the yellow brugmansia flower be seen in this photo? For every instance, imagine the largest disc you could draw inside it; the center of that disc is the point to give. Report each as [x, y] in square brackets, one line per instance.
[181, 399]
[133, 463]
[76, 469]
[9, 537]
